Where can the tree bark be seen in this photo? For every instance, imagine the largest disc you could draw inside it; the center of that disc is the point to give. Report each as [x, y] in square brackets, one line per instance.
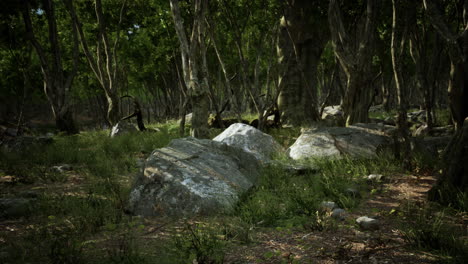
[458, 52]
[401, 13]
[300, 45]
[104, 64]
[194, 78]
[423, 43]
[354, 55]
[454, 178]
[57, 84]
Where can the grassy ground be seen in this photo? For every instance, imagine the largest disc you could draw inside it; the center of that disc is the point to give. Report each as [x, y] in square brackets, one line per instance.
[79, 215]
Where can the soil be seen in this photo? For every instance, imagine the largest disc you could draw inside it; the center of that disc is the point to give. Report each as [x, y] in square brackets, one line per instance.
[340, 242]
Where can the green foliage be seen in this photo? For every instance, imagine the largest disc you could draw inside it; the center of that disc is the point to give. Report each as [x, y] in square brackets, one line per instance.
[429, 229]
[443, 117]
[201, 243]
[66, 219]
[282, 199]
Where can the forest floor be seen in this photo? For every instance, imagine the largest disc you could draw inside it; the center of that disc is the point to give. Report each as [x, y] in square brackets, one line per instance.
[79, 217]
[344, 242]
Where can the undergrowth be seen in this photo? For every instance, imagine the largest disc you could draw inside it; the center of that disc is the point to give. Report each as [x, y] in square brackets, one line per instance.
[430, 228]
[284, 199]
[89, 224]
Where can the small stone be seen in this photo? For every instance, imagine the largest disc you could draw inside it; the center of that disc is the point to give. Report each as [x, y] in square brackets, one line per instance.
[353, 192]
[368, 223]
[122, 128]
[375, 177]
[62, 168]
[327, 205]
[339, 214]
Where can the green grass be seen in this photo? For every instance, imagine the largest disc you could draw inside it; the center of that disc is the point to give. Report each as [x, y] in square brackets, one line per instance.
[64, 220]
[442, 115]
[280, 198]
[88, 224]
[429, 229]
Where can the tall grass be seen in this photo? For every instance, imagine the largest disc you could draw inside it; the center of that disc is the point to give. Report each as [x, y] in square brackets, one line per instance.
[430, 229]
[65, 217]
[282, 199]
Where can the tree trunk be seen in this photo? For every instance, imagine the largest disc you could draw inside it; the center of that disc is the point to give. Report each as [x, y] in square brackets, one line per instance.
[57, 84]
[104, 63]
[194, 79]
[401, 14]
[354, 55]
[458, 51]
[300, 45]
[454, 178]
[426, 51]
[64, 122]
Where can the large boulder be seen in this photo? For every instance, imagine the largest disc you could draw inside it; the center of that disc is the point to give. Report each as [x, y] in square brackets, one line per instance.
[121, 128]
[251, 140]
[192, 177]
[336, 142]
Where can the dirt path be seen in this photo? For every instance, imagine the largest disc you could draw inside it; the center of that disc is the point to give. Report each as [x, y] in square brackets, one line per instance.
[341, 242]
[346, 243]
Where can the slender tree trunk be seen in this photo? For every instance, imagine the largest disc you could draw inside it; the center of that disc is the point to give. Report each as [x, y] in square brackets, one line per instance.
[401, 13]
[426, 51]
[196, 83]
[104, 63]
[458, 51]
[57, 84]
[354, 55]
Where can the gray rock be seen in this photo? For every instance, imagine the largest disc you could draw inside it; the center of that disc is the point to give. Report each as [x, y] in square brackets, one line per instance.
[375, 177]
[334, 142]
[121, 128]
[15, 207]
[328, 205]
[376, 108]
[377, 129]
[62, 168]
[339, 214]
[421, 131]
[445, 131]
[368, 223]
[192, 177]
[332, 111]
[333, 116]
[314, 145]
[188, 119]
[417, 116]
[353, 192]
[251, 140]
